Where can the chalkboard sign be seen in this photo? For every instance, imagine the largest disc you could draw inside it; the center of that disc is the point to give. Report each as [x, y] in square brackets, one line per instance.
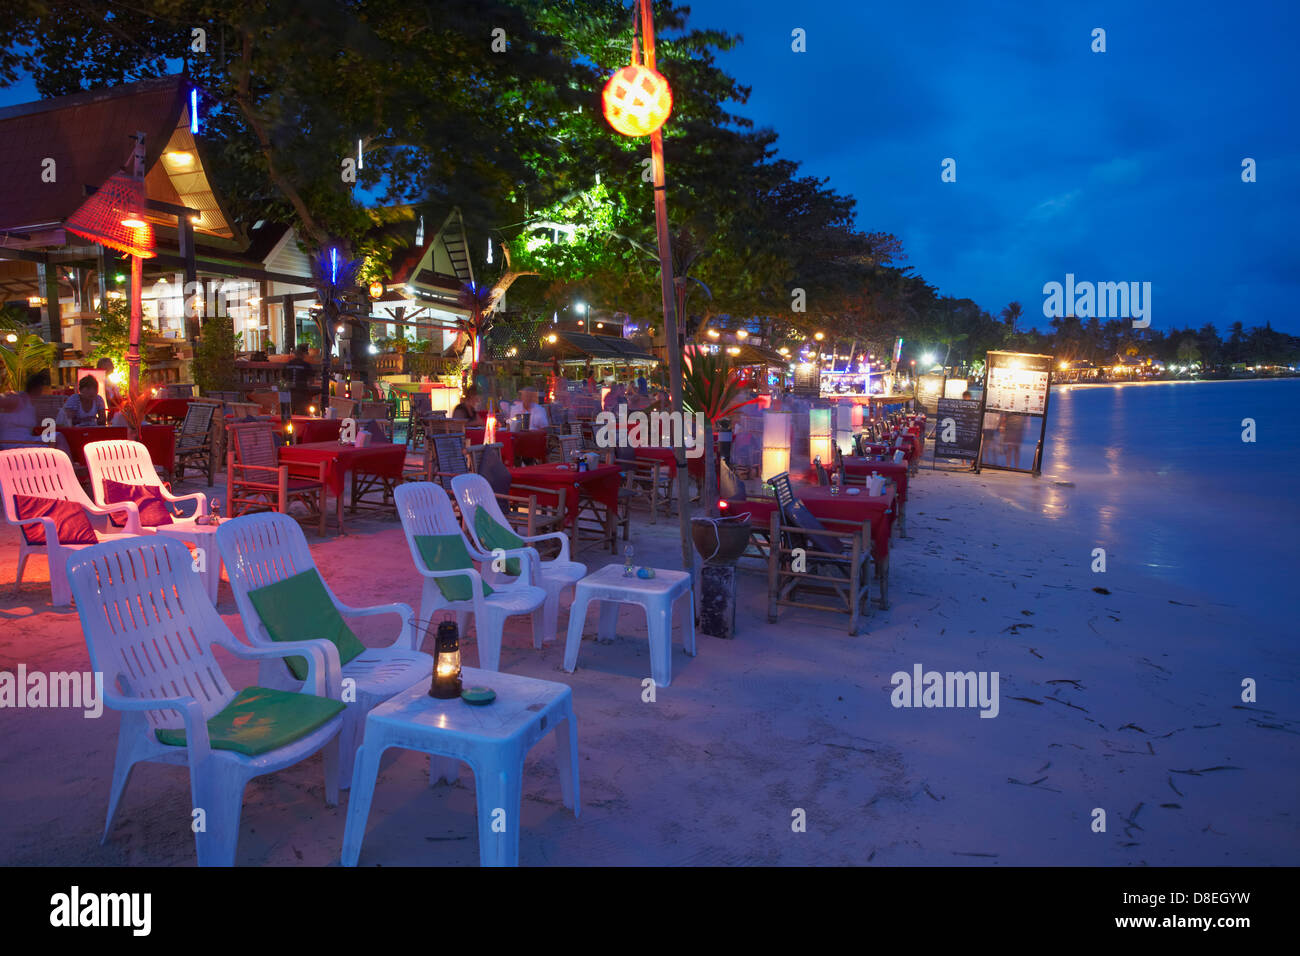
[957, 420]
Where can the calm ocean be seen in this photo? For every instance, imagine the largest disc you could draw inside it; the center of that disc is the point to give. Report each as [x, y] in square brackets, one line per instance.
[1164, 482]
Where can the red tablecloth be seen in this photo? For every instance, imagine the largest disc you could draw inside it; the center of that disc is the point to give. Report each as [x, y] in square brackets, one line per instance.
[161, 442]
[865, 466]
[385, 460]
[600, 483]
[514, 445]
[667, 457]
[307, 430]
[79, 437]
[822, 504]
[168, 408]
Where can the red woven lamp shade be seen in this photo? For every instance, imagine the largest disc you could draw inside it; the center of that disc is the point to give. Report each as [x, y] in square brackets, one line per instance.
[104, 216]
[637, 100]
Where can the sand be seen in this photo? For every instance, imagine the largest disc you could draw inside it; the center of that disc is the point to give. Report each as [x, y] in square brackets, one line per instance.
[1128, 701]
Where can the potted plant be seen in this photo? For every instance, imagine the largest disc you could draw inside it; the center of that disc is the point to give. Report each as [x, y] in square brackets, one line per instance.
[714, 388]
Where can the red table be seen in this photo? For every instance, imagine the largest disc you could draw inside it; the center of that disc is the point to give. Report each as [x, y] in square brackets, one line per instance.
[514, 445]
[160, 440]
[168, 408]
[600, 485]
[878, 509]
[667, 457]
[863, 467]
[79, 436]
[383, 461]
[307, 429]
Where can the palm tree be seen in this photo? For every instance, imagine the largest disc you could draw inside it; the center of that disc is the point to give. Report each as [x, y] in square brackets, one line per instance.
[19, 359]
[1010, 315]
[332, 275]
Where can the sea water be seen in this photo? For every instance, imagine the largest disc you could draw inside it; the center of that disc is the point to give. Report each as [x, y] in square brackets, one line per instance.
[1164, 482]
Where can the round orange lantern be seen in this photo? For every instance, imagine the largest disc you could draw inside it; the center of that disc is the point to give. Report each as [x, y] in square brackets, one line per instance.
[637, 100]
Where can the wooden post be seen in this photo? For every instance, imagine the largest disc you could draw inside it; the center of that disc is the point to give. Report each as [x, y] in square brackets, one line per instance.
[185, 233]
[289, 326]
[47, 280]
[667, 292]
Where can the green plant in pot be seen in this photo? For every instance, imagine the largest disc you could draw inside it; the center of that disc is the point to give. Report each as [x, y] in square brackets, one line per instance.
[214, 356]
[714, 388]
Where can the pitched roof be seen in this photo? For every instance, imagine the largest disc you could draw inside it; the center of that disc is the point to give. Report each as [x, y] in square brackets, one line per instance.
[87, 136]
[580, 344]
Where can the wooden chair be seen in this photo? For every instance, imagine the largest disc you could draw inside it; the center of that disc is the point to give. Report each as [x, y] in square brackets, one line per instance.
[449, 459]
[644, 479]
[379, 411]
[194, 440]
[834, 564]
[570, 445]
[344, 407]
[256, 481]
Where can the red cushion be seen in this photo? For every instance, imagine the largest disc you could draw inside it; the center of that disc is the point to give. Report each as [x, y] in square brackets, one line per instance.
[148, 498]
[70, 521]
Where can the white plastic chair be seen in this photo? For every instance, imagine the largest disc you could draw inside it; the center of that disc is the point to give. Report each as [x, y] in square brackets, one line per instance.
[261, 549]
[150, 629]
[128, 463]
[47, 473]
[474, 493]
[425, 509]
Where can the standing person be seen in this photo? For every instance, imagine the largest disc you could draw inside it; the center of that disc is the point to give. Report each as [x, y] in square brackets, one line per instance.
[641, 384]
[1013, 433]
[86, 407]
[112, 394]
[297, 380]
[467, 408]
[527, 406]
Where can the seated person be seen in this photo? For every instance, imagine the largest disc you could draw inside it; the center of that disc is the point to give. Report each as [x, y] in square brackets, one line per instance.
[18, 424]
[86, 407]
[535, 415]
[467, 409]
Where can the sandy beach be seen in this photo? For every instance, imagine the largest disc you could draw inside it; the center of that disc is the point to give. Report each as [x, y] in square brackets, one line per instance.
[1128, 701]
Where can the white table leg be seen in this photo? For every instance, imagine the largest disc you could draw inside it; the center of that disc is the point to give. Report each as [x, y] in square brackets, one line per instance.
[577, 618]
[363, 789]
[608, 619]
[499, 793]
[566, 758]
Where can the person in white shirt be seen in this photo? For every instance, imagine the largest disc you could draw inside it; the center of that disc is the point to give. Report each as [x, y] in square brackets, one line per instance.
[527, 406]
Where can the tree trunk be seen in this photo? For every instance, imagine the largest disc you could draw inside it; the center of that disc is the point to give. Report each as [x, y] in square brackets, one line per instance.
[709, 486]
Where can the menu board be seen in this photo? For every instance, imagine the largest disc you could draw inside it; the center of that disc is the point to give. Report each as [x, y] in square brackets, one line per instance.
[1017, 383]
[958, 419]
[929, 388]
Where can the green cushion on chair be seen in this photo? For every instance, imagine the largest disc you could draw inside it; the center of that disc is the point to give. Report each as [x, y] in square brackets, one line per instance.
[299, 608]
[446, 552]
[494, 536]
[260, 719]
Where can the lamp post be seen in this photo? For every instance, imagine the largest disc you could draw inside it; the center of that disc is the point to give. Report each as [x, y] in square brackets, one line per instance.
[637, 101]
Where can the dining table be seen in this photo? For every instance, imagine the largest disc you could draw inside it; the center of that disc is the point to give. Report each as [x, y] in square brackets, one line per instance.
[593, 492]
[379, 463]
[173, 408]
[529, 444]
[897, 472]
[308, 429]
[821, 502]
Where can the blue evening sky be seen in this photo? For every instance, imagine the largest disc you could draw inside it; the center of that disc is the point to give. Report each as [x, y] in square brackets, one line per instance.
[1123, 166]
[1115, 166]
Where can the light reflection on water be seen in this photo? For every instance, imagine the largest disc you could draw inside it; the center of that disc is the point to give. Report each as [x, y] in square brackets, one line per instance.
[1163, 481]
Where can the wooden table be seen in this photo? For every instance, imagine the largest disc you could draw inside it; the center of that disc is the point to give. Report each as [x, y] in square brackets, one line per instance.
[514, 445]
[594, 492]
[343, 462]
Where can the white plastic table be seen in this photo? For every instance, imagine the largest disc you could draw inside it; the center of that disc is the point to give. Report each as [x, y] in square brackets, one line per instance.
[658, 595]
[493, 739]
[201, 536]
